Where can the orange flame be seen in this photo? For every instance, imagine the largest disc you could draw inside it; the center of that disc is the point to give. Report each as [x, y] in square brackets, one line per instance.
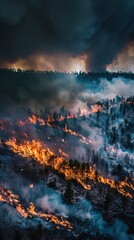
[13, 200]
[46, 157]
[96, 108]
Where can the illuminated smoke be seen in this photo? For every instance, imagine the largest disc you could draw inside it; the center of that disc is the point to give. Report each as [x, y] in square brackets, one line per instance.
[57, 62]
[73, 28]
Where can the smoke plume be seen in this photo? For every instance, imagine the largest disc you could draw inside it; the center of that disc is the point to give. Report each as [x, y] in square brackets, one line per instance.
[100, 30]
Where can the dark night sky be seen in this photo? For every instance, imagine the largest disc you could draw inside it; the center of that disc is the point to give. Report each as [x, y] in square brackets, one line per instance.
[99, 29]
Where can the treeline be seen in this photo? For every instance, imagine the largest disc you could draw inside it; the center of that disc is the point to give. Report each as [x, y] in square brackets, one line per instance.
[28, 74]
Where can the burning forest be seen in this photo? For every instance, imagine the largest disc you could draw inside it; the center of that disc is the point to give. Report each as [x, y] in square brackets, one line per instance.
[66, 120]
[66, 161]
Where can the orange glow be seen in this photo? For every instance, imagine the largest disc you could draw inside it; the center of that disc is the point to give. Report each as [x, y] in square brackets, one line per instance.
[34, 120]
[21, 211]
[40, 153]
[96, 108]
[44, 62]
[84, 111]
[63, 154]
[13, 200]
[124, 60]
[49, 217]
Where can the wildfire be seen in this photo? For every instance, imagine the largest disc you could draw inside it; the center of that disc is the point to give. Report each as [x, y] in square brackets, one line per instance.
[49, 217]
[42, 154]
[8, 197]
[83, 111]
[21, 211]
[96, 108]
[63, 154]
[83, 139]
[34, 120]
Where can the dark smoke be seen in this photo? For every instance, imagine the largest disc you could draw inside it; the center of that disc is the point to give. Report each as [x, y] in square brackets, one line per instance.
[54, 90]
[41, 90]
[101, 29]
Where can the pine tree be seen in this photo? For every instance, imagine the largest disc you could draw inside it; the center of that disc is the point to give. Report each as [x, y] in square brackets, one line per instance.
[68, 195]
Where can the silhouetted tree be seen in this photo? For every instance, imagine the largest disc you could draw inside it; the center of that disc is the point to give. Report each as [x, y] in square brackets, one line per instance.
[68, 194]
